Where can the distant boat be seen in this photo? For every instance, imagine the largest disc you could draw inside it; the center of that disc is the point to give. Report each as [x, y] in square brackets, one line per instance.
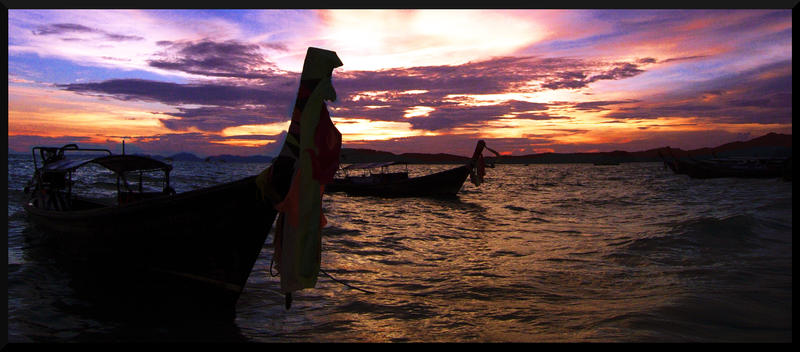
[376, 179]
[742, 167]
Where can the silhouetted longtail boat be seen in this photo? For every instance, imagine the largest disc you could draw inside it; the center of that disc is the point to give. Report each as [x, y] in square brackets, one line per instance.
[397, 184]
[191, 250]
[728, 167]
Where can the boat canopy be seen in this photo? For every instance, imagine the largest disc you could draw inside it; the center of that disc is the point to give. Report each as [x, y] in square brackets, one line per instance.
[117, 163]
[371, 165]
[65, 165]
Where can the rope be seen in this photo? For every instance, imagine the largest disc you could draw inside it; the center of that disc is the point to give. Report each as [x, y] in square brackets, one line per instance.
[344, 283]
[328, 275]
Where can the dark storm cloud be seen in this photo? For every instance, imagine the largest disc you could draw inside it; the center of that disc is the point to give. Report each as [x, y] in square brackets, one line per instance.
[230, 59]
[71, 28]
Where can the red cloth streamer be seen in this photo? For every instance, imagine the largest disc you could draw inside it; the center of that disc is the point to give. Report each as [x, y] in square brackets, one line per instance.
[328, 141]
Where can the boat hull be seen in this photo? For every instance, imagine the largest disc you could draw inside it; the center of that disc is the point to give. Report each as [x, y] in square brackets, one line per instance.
[195, 249]
[442, 184]
[705, 170]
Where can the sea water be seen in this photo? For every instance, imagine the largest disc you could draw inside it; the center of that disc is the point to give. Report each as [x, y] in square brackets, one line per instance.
[538, 253]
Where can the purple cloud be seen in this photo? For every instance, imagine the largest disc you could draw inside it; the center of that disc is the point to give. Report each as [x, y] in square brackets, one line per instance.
[578, 79]
[269, 94]
[69, 28]
[177, 94]
[229, 59]
[761, 95]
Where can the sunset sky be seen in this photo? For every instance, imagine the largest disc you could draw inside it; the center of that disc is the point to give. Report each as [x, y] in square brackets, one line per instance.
[433, 81]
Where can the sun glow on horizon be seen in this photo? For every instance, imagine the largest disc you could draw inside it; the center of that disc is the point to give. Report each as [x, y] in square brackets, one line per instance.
[377, 39]
[536, 79]
[51, 112]
[356, 129]
[265, 129]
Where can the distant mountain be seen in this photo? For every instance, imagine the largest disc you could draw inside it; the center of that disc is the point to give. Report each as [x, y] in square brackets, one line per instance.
[769, 145]
[352, 156]
[216, 158]
[239, 159]
[184, 157]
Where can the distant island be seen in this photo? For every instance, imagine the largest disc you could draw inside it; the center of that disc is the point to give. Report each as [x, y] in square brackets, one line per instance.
[225, 158]
[769, 145]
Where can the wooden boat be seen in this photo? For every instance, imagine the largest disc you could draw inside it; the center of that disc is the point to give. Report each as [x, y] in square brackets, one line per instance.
[189, 252]
[397, 184]
[728, 167]
[195, 248]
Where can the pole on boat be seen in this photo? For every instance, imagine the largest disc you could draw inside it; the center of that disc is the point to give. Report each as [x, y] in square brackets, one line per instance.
[476, 164]
[478, 150]
[295, 181]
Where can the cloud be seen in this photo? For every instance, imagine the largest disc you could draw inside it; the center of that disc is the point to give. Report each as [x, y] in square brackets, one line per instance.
[214, 119]
[24, 143]
[445, 90]
[231, 59]
[203, 144]
[71, 28]
[208, 107]
[761, 95]
[580, 79]
[599, 105]
[442, 98]
[684, 58]
[177, 94]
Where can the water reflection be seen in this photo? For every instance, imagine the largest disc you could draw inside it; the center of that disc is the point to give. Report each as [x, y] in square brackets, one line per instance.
[553, 253]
